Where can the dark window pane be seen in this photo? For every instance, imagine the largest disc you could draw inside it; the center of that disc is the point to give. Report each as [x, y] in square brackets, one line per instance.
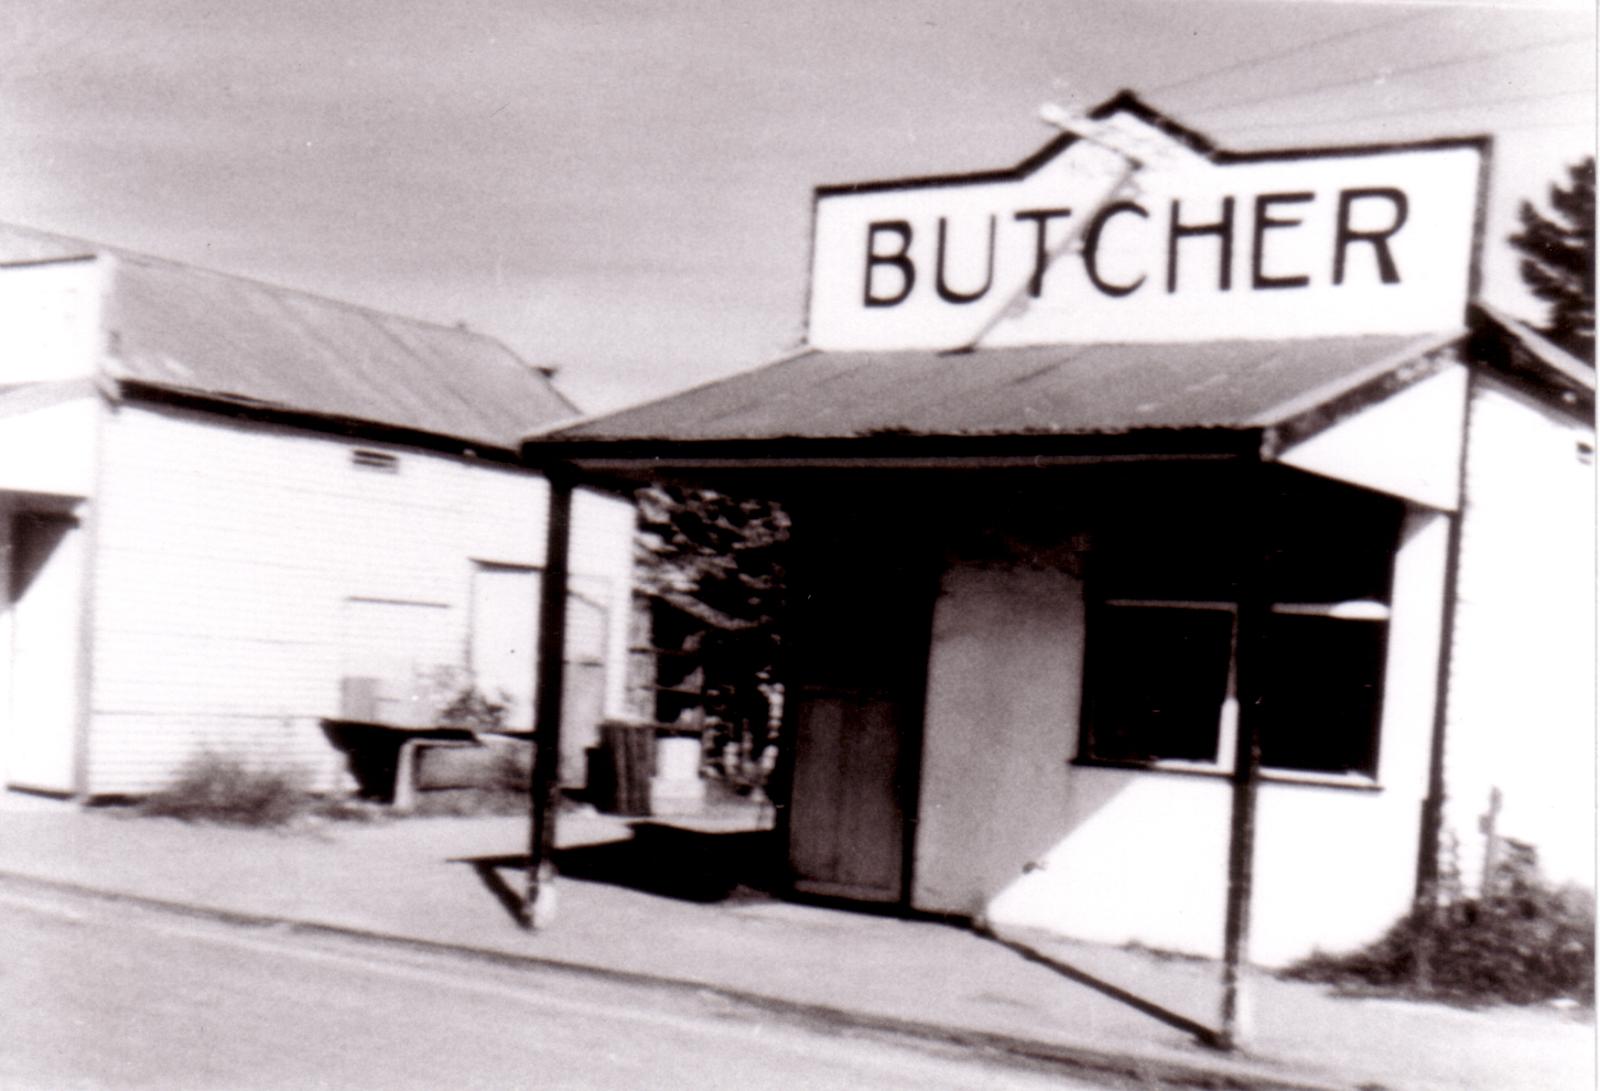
[1320, 681]
[1156, 680]
[1331, 543]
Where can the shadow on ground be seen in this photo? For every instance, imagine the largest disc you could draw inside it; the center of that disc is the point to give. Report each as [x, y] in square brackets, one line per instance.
[718, 867]
[669, 861]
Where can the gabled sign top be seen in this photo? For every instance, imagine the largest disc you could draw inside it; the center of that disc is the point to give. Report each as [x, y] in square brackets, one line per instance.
[1146, 231]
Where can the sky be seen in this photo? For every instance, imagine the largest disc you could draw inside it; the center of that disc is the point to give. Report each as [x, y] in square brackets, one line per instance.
[622, 189]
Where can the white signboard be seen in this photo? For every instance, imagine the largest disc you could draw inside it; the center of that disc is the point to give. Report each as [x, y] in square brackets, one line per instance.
[1078, 247]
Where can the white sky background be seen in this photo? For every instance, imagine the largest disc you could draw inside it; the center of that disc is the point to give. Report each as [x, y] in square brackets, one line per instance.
[623, 189]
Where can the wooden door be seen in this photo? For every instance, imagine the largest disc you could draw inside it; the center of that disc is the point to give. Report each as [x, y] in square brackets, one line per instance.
[505, 637]
[859, 666]
[847, 818]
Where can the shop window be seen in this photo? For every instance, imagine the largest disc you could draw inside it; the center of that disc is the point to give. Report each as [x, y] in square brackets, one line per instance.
[1320, 694]
[1161, 634]
[1161, 684]
[1160, 681]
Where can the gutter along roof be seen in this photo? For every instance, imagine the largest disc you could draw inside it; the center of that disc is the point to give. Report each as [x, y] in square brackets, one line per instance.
[1166, 396]
[175, 332]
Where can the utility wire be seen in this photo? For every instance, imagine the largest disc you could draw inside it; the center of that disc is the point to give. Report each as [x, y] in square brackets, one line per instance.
[1445, 108]
[1450, 62]
[1302, 47]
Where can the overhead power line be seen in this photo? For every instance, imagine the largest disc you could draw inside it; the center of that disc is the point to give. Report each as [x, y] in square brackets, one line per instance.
[1294, 50]
[1408, 111]
[1386, 77]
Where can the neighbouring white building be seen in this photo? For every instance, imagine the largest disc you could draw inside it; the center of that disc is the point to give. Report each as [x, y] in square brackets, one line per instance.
[231, 511]
[1176, 542]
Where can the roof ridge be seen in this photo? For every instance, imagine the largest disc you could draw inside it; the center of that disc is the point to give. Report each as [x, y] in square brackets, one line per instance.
[123, 253]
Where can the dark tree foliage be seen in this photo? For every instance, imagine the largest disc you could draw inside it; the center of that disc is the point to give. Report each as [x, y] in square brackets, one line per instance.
[1558, 260]
[720, 551]
[719, 559]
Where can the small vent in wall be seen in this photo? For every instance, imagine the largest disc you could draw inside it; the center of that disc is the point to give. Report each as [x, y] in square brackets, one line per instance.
[378, 461]
[1586, 453]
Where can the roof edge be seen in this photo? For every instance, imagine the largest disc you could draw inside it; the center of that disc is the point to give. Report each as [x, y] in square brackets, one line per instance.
[1313, 401]
[1554, 359]
[552, 430]
[139, 391]
[644, 457]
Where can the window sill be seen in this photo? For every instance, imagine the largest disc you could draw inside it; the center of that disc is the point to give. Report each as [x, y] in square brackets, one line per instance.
[1347, 781]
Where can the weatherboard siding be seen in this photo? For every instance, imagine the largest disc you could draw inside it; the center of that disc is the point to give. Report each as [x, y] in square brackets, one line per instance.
[50, 448]
[234, 560]
[1522, 708]
[49, 321]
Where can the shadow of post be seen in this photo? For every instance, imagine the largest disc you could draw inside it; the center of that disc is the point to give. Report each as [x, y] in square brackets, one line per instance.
[709, 867]
[664, 860]
[1204, 1034]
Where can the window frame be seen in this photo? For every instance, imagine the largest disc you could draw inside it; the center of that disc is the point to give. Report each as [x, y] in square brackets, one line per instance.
[1352, 611]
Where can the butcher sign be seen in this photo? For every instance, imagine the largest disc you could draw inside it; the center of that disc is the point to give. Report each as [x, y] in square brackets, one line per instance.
[1146, 233]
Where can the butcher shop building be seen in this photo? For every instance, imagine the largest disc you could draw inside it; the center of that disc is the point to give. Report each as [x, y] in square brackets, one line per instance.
[1177, 540]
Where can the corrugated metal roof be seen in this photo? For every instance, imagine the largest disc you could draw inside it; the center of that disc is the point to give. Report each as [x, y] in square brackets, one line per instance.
[1045, 390]
[199, 332]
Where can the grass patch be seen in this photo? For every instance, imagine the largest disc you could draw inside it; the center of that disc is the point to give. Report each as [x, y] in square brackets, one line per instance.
[213, 787]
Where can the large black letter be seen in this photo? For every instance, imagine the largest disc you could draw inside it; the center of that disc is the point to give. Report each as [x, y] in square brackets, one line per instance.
[1091, 248]
[1223, 229]
[948, 294]
[908, 272]
[1265, 223]
[1041, 217]
[1379, 239]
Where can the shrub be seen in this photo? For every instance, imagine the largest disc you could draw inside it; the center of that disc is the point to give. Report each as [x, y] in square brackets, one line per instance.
[1525, 941]
[471, 709]
[213, 787]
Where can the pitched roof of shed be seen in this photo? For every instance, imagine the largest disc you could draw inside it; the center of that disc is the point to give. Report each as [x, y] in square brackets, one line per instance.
[1042, 390]
[195, 332]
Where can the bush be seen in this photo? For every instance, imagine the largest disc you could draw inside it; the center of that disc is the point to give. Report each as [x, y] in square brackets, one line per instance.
[1525, 941]
[212, 787]
[471, 709]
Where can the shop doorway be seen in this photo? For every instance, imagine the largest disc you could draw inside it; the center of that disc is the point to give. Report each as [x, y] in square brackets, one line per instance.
[861, 643]
[43, 599]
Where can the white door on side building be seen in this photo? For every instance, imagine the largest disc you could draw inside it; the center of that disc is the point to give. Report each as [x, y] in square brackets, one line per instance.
[45, 586]
[505, 637]
[505, 654]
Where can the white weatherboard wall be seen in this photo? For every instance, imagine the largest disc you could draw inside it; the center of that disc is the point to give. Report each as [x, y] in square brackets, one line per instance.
[1522, 713]
[1003, 689]
[48, 448]
[49, 321]
[49, 422]
[233, 557]
[1010, 830]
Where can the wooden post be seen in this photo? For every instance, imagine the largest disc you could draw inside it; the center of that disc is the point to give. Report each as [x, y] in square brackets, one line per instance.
[1488, 823]
[1254, 607]
[1425, 902]
[544, 787]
